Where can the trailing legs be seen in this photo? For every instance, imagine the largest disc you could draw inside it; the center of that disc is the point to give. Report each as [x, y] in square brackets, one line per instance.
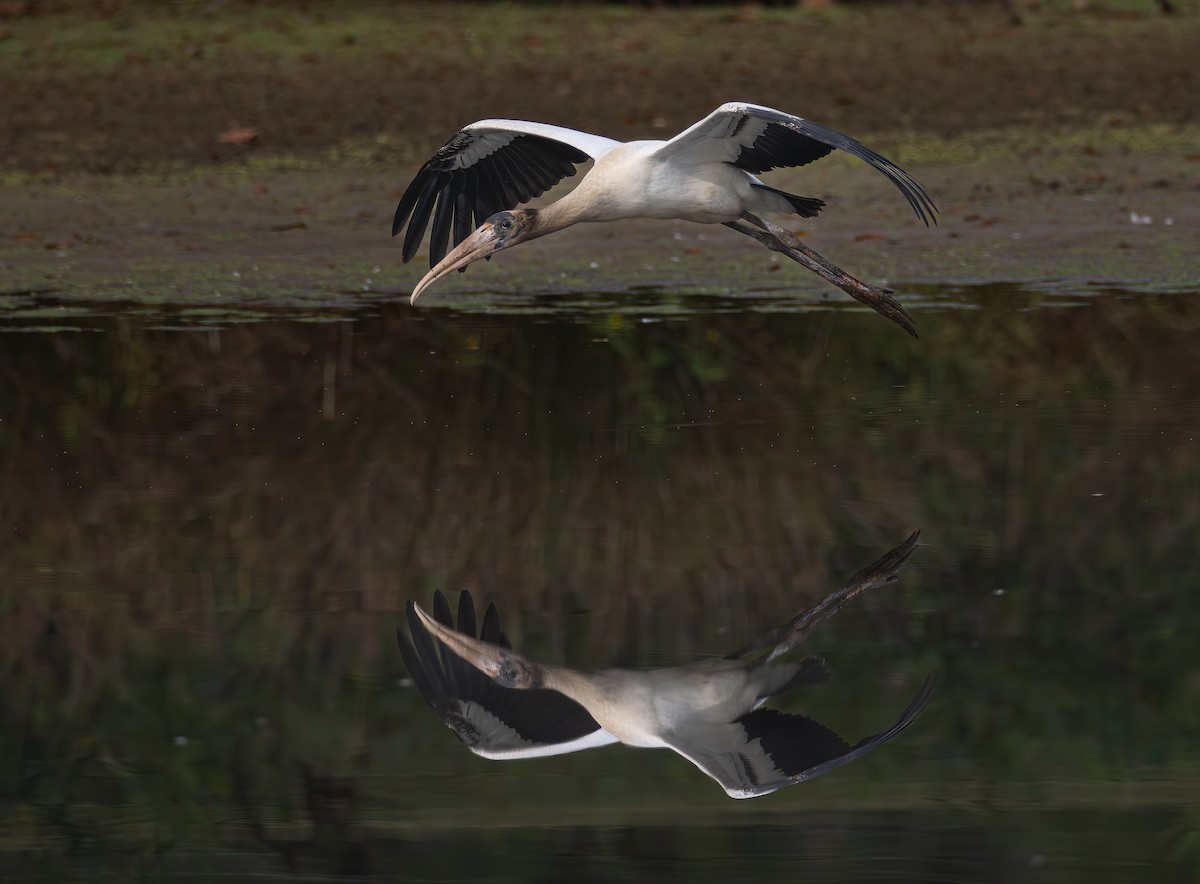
[779, 240]
[783, 638]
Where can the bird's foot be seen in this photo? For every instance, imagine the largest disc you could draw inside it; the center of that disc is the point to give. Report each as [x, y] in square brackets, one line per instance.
[877, 298]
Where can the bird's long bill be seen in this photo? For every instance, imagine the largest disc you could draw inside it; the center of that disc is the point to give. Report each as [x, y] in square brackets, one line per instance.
[479, 244]
[480, 654]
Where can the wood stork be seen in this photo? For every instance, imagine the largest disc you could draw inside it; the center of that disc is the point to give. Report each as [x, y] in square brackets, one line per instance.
[504, 705]
[706, 173]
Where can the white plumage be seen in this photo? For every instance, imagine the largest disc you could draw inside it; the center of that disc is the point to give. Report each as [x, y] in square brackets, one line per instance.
[471, 188]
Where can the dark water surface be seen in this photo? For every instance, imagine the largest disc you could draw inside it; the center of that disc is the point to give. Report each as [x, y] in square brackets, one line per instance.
[210, 528]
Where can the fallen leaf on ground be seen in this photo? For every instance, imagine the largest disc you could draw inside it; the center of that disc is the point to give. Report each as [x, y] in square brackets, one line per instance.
[238, 135]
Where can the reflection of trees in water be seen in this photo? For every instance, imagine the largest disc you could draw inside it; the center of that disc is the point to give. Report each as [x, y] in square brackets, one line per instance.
[212, 535]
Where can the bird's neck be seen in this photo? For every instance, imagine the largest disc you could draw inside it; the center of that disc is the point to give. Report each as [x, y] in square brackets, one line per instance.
[584, 203]
[550, 219]
[561, 679]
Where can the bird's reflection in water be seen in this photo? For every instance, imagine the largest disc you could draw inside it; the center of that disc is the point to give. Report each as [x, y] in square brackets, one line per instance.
[505, 705]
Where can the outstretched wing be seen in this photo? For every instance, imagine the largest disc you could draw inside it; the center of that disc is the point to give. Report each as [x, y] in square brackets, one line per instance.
[486, 168]
[494, 721]
[757, 139]
[765, 749]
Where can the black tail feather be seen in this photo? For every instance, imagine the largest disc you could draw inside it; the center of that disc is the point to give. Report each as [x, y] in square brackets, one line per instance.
[805, 206]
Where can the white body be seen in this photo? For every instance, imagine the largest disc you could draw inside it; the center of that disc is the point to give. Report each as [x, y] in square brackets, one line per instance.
[640, 707]
[636, 180]
[688, 178]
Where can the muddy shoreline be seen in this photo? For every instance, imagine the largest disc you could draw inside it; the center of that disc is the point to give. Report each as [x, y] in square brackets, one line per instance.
[1075, 176]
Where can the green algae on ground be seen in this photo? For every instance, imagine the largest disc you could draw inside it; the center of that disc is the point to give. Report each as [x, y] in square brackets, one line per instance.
[1093, 181]
[169, 87]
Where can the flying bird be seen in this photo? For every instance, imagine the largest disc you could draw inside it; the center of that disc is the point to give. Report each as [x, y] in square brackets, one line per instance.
[505, 705]
[706, 173]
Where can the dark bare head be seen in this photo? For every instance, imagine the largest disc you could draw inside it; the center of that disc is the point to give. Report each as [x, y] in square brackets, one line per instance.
[502, 230]
[504, 666]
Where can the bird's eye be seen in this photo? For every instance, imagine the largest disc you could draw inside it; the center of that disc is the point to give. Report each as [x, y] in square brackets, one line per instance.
[506, 224]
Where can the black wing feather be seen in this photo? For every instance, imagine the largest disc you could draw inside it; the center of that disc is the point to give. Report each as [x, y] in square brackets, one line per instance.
[514, 172]
[779, 146]
[802, 749]
[422, 659]
[466, 615]
[443, 217]
[420, 218]
[509, 180]
[794, 743]
[452, 665]
[491, 625]
[489, 198]
[522, 172]
[539, 168]
[404, 208]
[464, 208]
[786, 143]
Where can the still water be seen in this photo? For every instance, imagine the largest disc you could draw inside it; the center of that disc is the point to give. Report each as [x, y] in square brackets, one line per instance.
[211, 526]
